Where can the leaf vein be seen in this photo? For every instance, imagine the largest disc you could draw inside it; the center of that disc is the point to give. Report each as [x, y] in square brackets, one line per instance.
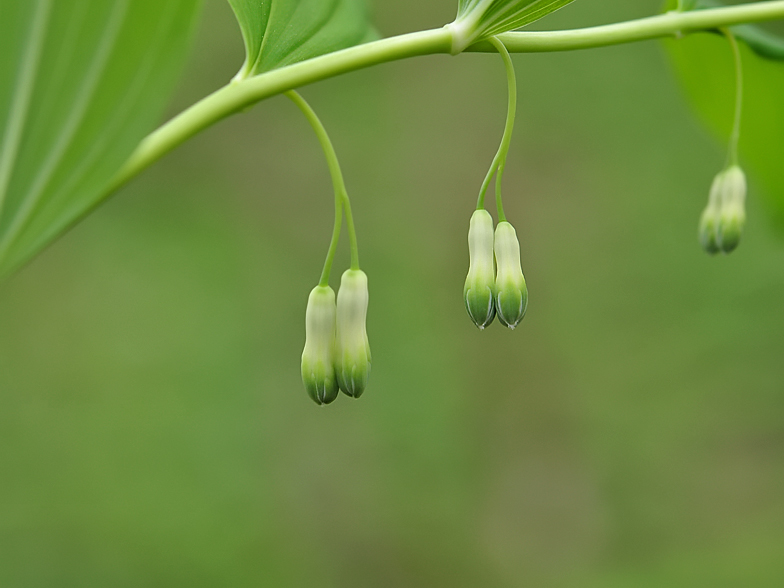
[126, 105]
[315, 31]
[69, 129]
[17, 114]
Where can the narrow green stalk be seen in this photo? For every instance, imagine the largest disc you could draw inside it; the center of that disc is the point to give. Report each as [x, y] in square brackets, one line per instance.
[480, 203]
[333, 243]
[338, 185]
[499, 161]
[352, 234]
[237, 96]
[732, 152]
[509, 128]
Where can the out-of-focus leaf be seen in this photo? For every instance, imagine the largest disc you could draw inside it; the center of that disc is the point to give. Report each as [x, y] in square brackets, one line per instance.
[762, 42]
[81, 83]
[282, 32]
[705, 66]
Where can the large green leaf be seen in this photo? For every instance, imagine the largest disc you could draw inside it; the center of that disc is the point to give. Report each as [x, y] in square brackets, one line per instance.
[282, 32]
[81, 83]
[704, 64]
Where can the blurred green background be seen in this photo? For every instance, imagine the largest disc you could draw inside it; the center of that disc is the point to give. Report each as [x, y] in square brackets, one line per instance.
[154, 430]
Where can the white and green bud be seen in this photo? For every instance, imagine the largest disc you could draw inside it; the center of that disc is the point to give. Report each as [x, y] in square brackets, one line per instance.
[511, 294]
[480, 283]
[352, 356]
[318, 358]
[722, 221]
[732, 217]
[709, 221]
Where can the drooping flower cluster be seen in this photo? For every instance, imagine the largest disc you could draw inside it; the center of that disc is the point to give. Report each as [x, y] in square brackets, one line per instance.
[337, 357]
[494, 288]
[722, 221]
[337, 353]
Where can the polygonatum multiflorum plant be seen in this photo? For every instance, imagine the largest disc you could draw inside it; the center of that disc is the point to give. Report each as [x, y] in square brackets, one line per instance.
[83, 82]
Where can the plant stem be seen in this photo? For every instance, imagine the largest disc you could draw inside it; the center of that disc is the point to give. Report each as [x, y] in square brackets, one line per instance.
[511, 81]
[499, 161]
[732, 153]
[337, 179]
[644, 29]
[339, 186]
[239, 95]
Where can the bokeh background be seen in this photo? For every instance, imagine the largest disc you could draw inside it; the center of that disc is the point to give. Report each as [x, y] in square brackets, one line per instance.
[154, 430]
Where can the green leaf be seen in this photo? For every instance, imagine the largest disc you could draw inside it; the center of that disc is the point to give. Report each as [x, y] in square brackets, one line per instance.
[762, 42]
[705, 66]
[501, 16]
[282, 32]
[81, 83]
[479, 19]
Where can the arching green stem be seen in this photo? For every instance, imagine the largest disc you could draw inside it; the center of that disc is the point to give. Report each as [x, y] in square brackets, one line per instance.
[339, 186]
[499, 161]
[732, 152]
[238, 96]
[511, 81]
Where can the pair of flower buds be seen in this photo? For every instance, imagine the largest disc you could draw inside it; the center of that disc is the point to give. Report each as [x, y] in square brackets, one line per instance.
[722, 220]
[337, 353]
[490, 288]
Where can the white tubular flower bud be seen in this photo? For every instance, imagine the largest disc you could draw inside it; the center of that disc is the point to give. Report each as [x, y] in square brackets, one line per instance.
[479, 285]
[511, 293]
[732, 217]
[709, 221]
[352, 358]
[318, 365]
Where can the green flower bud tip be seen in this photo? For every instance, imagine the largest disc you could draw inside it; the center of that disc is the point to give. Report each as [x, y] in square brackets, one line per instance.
[352, 358]
[732, 217]
[479, 285]
[318, 358]
[709, 221]
[511, 294]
